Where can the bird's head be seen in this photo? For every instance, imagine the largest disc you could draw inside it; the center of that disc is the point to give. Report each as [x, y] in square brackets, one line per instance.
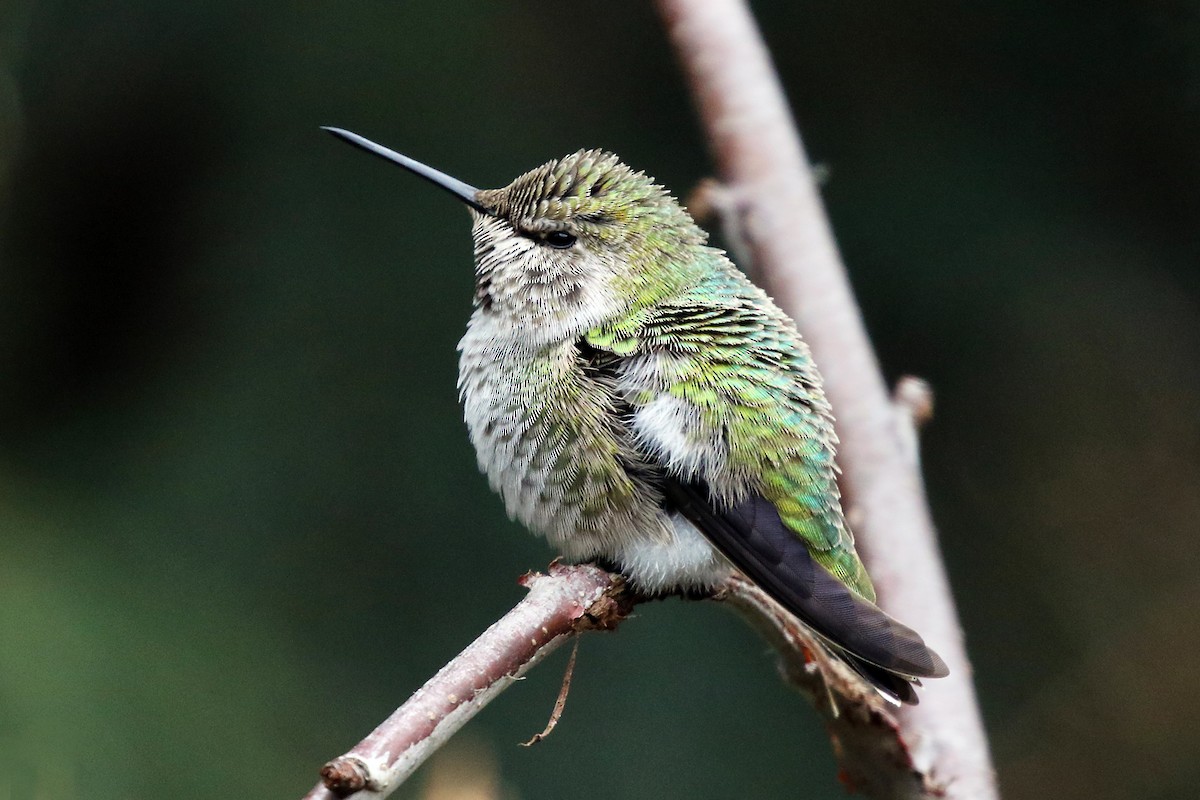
[572, 243]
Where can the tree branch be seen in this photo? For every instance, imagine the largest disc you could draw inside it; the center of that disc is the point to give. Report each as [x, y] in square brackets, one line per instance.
[568, 601]
[762, 160]
[873, 757]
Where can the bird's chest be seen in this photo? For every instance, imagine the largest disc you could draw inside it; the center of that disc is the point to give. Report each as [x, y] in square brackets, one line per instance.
[546, 435]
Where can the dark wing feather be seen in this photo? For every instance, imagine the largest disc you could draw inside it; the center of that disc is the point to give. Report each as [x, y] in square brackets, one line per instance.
[752, 536]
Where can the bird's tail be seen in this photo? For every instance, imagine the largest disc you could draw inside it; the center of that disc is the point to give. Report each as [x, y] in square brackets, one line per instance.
[886, 653]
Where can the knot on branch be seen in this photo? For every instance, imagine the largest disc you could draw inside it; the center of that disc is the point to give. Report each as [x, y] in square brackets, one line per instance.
[612, 608]
[344, 776]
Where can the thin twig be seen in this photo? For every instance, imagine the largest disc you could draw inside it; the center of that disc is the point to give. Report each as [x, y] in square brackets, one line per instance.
[561, 702]
[760, 156]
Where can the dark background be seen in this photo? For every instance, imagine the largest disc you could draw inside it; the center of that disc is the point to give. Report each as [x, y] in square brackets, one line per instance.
[239, 516]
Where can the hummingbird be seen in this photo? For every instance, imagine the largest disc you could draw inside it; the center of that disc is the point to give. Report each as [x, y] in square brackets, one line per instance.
[635, 399]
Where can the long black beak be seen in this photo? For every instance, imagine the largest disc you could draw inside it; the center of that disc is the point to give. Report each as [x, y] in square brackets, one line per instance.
[462, 191]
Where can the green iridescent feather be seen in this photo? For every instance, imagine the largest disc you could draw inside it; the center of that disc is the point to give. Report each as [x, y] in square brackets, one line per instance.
[742, 365]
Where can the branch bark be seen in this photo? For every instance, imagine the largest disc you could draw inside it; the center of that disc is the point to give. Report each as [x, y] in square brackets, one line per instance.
[761, 159]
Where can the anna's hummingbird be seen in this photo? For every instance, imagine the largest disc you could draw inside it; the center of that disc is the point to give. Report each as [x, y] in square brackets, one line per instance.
[636, 400]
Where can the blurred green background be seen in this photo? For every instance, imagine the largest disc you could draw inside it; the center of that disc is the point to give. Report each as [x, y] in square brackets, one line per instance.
[239, 516]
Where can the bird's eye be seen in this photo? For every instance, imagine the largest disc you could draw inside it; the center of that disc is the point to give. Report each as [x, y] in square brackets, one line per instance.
[560, 239]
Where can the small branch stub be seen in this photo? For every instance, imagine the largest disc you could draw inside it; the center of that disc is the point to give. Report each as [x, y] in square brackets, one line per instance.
[914, 396]
[344, 775]
[913, 402]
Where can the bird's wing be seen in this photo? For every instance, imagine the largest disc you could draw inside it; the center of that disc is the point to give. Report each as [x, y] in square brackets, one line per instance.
[736, 370]
[752, 396]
